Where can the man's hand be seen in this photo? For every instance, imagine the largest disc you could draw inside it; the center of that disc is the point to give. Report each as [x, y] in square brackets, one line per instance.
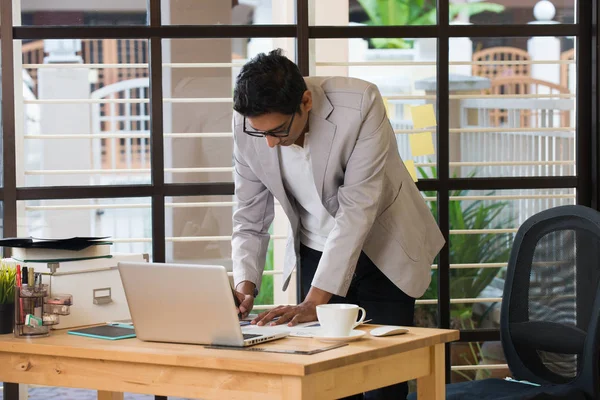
[293, 315]
[246, 303]
[245, 295]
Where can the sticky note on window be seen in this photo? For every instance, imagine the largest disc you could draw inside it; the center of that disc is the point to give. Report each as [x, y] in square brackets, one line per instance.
[421, 144]
[423, 116]
[386, 104]
[410, 165]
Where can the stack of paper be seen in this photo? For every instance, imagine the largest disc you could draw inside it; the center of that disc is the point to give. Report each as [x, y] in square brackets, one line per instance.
[57, 250]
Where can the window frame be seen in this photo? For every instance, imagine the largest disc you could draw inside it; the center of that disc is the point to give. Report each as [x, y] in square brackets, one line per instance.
[585, 182]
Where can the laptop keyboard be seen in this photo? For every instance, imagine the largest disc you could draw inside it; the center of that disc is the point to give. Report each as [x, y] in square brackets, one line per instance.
[250, 336]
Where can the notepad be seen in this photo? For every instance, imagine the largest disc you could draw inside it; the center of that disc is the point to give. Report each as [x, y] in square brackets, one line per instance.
[421, 144]
[106, 332]
[423, 116]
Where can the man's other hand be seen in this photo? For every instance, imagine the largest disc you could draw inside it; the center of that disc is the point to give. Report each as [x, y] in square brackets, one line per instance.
[292, 315]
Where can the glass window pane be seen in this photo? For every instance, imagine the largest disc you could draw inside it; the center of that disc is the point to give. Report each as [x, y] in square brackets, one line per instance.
[82, 12]
[512, 107]
[234, 12]
[405, 78]
[366, 12]
[402, 12]
[426, 309]
[482, 229]
[198, 231]
[506, 12]
[128, 221]
[477, 360]
[85, 112]
[198, 79]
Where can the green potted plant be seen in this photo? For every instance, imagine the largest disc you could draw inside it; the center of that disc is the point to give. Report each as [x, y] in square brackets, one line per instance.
[8, 276]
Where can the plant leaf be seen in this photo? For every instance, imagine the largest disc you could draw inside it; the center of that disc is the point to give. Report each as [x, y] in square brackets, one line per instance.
[471, 9]
[371, 9]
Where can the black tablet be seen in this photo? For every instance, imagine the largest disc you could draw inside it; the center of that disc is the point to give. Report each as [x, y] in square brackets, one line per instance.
[107, 332]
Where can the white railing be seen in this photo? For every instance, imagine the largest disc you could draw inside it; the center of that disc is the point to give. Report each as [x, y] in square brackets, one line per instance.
[416, 98]
[391, 63]
[545, 148]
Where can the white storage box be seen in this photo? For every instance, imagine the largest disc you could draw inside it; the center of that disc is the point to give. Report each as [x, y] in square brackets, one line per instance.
[95, 284]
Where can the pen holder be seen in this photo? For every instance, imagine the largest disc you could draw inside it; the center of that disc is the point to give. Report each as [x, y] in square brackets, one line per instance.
[29, 311]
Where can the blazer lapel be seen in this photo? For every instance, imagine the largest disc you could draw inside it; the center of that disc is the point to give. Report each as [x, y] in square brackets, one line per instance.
[269, 159]
[322, 133]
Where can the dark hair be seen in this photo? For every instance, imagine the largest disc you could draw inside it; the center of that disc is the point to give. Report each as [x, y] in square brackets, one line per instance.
[268, 83]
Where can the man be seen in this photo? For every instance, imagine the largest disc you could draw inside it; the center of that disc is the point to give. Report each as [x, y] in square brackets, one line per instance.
[361, 232]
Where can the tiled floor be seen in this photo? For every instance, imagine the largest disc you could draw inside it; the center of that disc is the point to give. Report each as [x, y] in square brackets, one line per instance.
[53, 393]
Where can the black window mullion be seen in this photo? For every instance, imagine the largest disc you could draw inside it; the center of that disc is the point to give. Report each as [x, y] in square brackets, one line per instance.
[595, 143]
[433, 31]
[303, 60]
[157, 155]
[9, 169]
[513, 30]
[145, 32]
[83, 192]
[302, 37]
[382, 31]
[583, 133]
[226, 188]
[443, 168]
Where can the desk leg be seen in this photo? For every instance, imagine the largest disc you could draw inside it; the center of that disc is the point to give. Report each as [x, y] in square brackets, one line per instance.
[11, 391]
[102, 395]
[433, 386]
[293, 388]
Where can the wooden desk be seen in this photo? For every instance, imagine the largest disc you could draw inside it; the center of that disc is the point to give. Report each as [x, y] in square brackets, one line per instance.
[196, 372]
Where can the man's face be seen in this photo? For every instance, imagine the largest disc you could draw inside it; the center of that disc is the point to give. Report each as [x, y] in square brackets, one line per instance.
[277, 122]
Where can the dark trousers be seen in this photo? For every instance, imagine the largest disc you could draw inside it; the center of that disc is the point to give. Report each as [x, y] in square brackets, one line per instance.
[384, 303]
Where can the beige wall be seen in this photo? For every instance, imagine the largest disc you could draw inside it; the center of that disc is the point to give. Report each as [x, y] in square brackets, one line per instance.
[330, 12]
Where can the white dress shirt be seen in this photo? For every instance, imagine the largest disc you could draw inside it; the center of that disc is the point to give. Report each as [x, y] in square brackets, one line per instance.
[296, 172]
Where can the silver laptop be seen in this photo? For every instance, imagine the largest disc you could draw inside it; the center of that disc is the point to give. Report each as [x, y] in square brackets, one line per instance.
[181, 303]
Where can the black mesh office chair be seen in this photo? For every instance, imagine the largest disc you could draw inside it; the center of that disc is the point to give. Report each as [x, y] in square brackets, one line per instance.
[550, 311]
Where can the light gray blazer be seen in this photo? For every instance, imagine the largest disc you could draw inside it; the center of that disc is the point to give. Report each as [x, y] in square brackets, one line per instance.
[363, 183]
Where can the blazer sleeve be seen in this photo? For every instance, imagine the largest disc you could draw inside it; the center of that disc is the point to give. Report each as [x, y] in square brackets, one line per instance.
[251, 221]
[358, 197]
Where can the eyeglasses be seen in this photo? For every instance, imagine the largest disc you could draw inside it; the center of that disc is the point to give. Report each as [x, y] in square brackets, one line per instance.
[275, 132]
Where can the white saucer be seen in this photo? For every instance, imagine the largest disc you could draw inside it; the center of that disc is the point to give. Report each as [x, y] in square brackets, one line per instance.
[354, 335]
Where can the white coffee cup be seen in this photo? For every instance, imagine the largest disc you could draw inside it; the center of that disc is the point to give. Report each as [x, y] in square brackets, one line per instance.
[338, 320]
